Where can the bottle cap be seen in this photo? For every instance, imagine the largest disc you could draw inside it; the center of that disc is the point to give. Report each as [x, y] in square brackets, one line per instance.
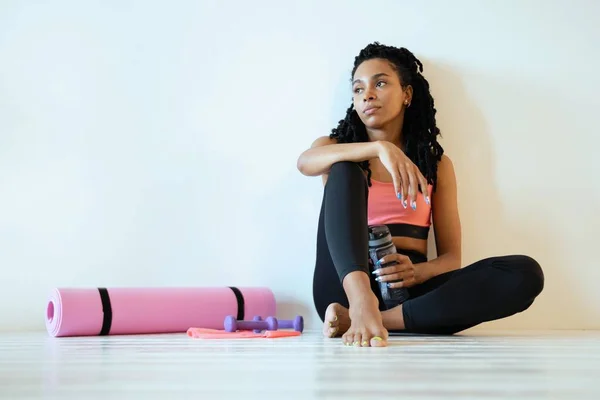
[379, 234]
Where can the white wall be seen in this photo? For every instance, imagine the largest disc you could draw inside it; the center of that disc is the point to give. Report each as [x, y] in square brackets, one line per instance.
[135, 136]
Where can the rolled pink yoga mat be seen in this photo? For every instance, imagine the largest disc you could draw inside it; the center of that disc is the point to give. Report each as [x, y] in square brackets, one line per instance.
[123, 311]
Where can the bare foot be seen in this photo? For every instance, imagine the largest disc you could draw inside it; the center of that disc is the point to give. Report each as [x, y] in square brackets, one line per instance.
[337, 320]
[366, 326]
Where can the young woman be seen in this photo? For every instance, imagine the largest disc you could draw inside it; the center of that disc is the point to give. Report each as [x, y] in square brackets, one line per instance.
[384, 165]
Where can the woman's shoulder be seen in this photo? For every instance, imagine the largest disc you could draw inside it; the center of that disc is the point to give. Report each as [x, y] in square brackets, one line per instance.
[445, 170]
[445, 162]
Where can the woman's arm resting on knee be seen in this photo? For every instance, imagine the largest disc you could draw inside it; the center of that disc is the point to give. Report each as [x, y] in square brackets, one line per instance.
[446, 223]
[325, 152]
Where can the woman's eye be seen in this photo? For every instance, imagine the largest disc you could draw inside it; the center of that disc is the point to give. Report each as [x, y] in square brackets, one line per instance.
[381, 83]
[357, 90]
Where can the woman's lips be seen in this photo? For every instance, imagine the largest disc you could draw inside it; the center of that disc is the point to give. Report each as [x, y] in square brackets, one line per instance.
[371, 110]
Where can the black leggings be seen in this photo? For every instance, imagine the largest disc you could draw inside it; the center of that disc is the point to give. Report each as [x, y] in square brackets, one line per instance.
[489, 289]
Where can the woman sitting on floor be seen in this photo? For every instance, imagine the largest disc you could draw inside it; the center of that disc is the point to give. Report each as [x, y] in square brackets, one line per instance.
[384, 165]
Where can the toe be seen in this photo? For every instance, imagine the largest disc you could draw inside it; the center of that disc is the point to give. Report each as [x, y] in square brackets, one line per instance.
[325, 330]
[331, 322]
[330, 313]
[347, 338]
[378, 341]
[333, 331]
[357, 340]
[334, 322]
[329, 332]
[365, 340]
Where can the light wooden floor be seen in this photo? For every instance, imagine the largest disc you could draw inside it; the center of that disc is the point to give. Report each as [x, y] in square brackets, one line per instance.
[501, 365]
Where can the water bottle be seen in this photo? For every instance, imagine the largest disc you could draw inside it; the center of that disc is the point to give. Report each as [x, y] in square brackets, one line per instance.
[380, 245]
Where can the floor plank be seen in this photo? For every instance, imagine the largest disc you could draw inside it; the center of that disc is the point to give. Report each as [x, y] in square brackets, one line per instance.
[490, 365]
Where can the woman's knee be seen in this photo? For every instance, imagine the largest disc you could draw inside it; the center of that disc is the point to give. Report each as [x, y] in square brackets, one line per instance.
[346, 169]
[531, 273]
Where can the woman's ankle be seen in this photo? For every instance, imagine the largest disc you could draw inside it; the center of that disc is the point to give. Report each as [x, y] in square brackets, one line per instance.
[357, 286]
[393, 319]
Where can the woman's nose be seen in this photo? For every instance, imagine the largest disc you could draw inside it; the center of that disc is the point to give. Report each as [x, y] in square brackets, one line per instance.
[369, 96]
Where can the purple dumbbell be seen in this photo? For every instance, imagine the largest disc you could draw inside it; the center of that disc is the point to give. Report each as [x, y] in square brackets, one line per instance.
[297, 324]
[231, 324]
[257, 318]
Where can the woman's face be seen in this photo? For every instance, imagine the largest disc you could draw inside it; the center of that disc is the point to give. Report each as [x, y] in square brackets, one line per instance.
[378, 97]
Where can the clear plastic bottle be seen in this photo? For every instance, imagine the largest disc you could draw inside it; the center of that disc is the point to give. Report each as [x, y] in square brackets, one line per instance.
[380, 245]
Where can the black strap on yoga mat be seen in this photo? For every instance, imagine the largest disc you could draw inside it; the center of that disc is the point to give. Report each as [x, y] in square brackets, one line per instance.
[107, 310]
[240, 303]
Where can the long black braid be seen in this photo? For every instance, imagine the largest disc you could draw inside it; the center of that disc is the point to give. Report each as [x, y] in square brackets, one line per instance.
[419, 133]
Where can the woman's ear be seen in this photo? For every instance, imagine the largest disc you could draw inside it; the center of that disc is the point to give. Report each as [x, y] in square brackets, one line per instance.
[408, 94]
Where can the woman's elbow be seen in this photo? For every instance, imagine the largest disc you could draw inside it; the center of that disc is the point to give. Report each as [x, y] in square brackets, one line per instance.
[302, 165]
[306, 166]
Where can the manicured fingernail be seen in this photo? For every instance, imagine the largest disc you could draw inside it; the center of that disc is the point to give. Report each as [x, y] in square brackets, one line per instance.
[427, 200]
[413, 204]
[376, 271]
[355, 343]
[378, 263]
[399, 196]
[377, 338]
[405, 203]
[365, 343]
[378, 279]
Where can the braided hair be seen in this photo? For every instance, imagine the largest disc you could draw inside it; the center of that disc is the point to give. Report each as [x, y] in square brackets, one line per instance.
[419, 131]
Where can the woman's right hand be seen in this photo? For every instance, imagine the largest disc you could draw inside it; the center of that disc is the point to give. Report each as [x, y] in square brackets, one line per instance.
[406, 175]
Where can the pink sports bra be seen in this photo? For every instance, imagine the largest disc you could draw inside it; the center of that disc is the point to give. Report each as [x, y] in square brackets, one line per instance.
[385, 208]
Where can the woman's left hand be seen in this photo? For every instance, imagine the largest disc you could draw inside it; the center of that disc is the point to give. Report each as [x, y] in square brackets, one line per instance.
[404, 271]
